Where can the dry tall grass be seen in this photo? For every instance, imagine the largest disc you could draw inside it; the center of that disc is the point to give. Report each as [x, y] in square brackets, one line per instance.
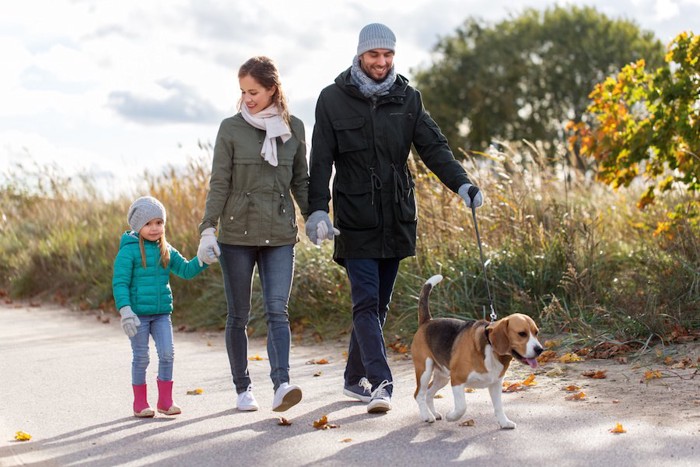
[560, 247]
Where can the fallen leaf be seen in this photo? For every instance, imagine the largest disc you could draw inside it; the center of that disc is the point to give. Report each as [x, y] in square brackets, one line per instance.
[439, 396]
[606, 350]
[284, 422]
[547, 356]
[576, 397]
[618, 429]
[571, 388]
[22, 436]
[469, 422]
[322, 423]
[684, 363]
[570, 358]
[318, 373]
[652, 374]
[469, 390]
[346, 440]
[256, 357]
[320, 361]
[556, 371]
[514, 387]
[595, 374]
[195, 392]
[530, 380]
[399, 347]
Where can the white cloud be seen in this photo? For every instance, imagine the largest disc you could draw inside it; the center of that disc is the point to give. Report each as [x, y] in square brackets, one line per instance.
[104, 84]
[666, 9]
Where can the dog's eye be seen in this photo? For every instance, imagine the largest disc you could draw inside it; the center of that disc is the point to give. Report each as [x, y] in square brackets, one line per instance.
[522, 334]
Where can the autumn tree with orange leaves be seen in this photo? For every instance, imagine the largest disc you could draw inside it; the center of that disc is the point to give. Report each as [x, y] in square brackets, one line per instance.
[646, 125]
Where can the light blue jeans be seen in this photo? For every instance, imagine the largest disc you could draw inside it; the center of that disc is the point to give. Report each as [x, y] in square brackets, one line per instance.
[161, 328]
[276, 268]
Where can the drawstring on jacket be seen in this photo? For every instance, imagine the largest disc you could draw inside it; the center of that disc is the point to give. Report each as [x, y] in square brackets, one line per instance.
[376, 182]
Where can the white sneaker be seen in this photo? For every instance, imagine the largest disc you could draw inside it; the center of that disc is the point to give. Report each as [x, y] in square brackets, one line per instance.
[246, 401]
[381, 400]
[286, 396]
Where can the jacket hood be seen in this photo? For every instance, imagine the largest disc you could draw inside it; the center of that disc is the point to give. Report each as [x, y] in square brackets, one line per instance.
[128, 238]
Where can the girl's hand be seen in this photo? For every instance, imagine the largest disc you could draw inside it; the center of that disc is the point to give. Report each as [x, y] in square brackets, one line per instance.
[130, 322]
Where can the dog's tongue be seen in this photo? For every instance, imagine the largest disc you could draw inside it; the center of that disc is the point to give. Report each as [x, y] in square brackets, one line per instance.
[532, 362]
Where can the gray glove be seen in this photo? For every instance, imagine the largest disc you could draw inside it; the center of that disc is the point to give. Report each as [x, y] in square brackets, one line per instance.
[130, 322]
[322, 233]
[320, 228]
[208, 251]
[471, 195]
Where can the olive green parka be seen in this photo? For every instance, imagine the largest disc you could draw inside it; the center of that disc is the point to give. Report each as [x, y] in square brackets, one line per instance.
[250, 201]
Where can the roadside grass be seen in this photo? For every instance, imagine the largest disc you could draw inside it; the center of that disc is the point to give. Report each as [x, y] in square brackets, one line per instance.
[577, 256]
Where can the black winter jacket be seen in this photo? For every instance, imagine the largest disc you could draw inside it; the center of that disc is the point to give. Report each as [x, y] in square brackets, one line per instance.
[369, 142]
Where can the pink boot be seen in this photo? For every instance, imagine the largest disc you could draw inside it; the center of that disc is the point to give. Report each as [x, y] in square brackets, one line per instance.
[165, 399]
[141, 408]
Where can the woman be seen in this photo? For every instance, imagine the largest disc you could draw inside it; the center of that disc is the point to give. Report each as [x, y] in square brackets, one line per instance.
[259, 163]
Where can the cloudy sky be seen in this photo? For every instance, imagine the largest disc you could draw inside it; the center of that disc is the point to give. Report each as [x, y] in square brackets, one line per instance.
[116, 87]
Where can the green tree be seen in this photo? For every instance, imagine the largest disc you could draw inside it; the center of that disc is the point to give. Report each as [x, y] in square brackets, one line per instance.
[526, 77]
[647, 124]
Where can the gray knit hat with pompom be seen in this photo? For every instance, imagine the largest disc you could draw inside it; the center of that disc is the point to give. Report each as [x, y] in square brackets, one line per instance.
[143, 210]
[376, 36]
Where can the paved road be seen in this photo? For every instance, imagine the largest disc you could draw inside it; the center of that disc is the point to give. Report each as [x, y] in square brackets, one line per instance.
[65, 380]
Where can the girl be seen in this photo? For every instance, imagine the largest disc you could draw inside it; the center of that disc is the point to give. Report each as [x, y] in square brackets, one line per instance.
[141, 287]
[259, 163]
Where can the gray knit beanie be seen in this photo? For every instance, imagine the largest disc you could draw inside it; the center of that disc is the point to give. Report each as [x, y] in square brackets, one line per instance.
[375, 36]
[143, 210]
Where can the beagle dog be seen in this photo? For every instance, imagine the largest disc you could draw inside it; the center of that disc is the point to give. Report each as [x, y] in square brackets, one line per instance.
[468, 354]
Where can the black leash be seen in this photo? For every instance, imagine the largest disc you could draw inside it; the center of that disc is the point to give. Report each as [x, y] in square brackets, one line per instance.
[472, 193]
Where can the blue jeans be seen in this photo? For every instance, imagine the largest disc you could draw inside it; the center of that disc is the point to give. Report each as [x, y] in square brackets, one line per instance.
[161, 328]
[371, 285]
[276, 269]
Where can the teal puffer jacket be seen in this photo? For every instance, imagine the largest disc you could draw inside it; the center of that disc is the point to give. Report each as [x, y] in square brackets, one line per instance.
[147, 290]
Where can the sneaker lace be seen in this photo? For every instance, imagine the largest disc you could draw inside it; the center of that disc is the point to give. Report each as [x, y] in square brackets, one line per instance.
[380, 391]
[365, 385]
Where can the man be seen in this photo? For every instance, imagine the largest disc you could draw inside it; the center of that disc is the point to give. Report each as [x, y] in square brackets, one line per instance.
[366, 122]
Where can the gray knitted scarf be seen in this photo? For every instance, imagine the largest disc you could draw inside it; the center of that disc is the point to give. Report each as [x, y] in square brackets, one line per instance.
[369, 87]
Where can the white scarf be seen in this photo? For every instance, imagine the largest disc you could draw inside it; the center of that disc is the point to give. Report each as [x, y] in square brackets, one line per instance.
[271, 121]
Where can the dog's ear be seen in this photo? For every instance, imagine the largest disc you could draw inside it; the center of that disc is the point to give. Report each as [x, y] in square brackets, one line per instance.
[498, 335]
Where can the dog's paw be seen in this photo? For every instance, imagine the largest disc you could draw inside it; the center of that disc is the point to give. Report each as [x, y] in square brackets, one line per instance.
[506, 424]
[453, 416]
[438, 415]
[426, 415]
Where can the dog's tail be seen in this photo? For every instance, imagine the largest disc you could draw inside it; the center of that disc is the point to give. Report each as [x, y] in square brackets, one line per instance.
[423, 306]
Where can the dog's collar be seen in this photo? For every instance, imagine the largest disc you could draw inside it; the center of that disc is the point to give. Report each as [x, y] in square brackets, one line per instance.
[486, 333]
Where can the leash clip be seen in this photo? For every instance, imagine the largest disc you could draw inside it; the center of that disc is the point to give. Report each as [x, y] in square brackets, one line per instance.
[493, 314]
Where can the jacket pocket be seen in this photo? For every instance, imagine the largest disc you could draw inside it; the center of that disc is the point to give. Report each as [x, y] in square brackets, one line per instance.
[355, 207]
[235, 210]
[286, 214]
[407, 209]
[349, 134]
